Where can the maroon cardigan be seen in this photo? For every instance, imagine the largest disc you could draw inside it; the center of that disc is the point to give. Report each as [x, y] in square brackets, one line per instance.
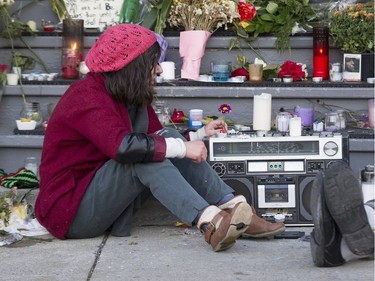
[85, 130]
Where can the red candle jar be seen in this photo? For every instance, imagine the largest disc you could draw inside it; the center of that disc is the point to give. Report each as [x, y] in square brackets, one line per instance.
[72, 48]
[70, 63]
[321, 52]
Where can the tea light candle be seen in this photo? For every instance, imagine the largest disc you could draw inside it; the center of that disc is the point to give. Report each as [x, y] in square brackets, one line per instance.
[287, 79]
[295, 126]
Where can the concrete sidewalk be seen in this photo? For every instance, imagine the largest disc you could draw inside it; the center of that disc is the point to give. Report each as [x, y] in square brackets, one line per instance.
[158, 250]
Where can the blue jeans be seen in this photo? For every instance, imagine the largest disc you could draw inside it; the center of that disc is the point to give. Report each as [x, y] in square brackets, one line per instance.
[182, 186]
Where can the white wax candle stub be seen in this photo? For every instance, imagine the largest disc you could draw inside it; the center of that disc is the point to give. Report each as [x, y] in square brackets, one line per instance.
[168, 70]
[317, 79]
[295, 127]
[262, 111]
[288, 79]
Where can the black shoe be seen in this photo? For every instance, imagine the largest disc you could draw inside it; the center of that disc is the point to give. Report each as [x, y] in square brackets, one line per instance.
[344, 199]
[325, 238]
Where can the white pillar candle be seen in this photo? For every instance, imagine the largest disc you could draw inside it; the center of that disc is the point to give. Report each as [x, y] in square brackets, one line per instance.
[295, 127]
[262, 107]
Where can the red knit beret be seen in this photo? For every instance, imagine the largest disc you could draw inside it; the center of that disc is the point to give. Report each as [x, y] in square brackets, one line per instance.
[118, 46]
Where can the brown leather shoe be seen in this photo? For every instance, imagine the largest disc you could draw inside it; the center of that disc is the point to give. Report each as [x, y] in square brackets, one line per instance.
[223, 228]
[260, 228]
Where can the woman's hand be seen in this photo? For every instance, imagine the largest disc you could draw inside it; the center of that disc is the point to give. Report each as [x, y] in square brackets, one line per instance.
[214, 126]
[196, 151]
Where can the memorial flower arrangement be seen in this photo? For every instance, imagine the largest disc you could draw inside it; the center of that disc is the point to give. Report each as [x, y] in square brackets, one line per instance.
[278, 17]
[197, 20]
[352, 28]
[296, 70]
[202, 15]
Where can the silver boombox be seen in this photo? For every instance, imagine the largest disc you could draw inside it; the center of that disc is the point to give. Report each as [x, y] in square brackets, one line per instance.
[275, 173]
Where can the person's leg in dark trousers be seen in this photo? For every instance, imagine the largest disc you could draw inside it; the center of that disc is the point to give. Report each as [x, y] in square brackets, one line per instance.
[184, 187]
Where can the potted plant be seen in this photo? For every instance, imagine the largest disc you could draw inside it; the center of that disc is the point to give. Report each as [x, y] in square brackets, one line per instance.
[352, 30]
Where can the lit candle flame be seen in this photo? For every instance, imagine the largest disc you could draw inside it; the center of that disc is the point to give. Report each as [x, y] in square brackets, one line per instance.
[74, 45]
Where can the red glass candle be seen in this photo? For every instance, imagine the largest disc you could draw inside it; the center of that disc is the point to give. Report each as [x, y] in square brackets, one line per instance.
[72, 48]
[321, 52]
[70, 63]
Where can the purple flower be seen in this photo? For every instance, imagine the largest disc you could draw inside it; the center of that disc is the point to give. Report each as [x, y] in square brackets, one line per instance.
[225, 108]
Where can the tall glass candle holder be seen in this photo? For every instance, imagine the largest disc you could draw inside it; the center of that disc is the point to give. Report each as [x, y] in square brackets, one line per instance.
[72, 47]
[321, 52]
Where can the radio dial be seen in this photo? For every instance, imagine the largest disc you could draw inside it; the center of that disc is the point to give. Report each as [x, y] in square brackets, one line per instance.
[331, 148]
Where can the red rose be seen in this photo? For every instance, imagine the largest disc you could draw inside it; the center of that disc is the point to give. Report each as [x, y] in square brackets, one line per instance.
[240, 72]
[3, 68]
[247, 11]
[292, 68]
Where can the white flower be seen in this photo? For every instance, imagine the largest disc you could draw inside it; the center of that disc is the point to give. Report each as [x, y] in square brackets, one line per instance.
[297, 29]
[259, 61]
[6, 3]
[304, 69]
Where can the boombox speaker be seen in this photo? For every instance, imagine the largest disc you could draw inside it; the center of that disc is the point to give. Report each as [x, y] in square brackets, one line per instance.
[305, 184]
[242, 186]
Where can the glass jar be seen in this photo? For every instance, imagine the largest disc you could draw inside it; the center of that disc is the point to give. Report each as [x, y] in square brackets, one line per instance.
[342, 118]
[332, 122]
[31, 111]
[162, 111]
[282, 122]
[31, 164]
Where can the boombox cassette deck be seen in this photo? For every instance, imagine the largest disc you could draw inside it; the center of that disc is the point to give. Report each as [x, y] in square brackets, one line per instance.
[274, 172]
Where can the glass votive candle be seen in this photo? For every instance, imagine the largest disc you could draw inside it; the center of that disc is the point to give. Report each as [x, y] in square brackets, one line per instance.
[221, 70]
[332, 122]
[336, 72]
[255, 72]
[282, 122]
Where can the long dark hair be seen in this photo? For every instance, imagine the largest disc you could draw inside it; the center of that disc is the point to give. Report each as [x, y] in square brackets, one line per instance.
[133, 84]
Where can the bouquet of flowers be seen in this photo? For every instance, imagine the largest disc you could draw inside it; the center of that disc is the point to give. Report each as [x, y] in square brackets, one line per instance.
[199, 19]
[202, 15]
[296, 70]
[279, 17]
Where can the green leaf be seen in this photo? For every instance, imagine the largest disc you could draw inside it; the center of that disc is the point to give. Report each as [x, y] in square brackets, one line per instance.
[150, 19]
[272, 7]
[267, 17]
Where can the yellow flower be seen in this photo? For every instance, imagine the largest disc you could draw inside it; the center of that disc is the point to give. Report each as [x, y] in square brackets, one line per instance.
[244, 24]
